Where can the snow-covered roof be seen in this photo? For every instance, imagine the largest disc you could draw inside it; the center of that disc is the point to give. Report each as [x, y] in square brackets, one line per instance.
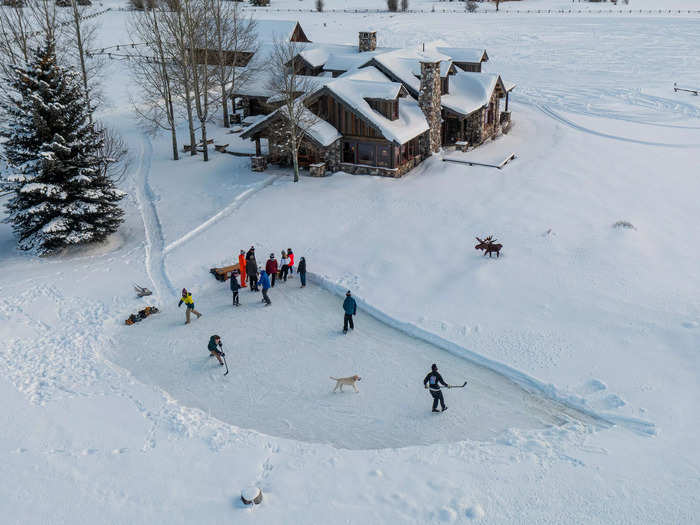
[271, 30]
[369, 73]
[464, 54]
[404, 64]
[258, 84]
[470, 91]
[320, 131]
[411, 121]
[510, 86]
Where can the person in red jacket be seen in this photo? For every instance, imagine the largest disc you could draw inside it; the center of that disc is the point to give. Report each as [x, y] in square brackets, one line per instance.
[290, 254]
[271, 269]
[241, 267]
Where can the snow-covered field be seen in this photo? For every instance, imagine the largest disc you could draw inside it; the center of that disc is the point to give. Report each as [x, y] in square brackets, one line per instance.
[579, 345]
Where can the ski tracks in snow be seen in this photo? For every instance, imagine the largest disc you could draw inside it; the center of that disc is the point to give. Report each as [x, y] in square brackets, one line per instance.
[563, 120]
[155, 241]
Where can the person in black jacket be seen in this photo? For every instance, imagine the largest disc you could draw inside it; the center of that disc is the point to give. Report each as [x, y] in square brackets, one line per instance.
[234, 289]
[434, 379]
[214, 342]
[301, 270]
[251, 268]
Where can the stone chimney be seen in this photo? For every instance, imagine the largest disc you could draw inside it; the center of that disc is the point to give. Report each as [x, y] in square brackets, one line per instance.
[429, 102]
[367, 41]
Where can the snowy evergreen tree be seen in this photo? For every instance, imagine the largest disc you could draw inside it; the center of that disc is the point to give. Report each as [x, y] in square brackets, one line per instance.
[59, 193]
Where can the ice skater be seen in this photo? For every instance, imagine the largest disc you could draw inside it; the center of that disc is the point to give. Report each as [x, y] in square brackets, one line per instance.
[189, 304]
[252, 271]
[234, 289]
[350, 308]
[301, 270]
[215, 348]
[434, 379]
[265, 285]
[290, 256]
[272, 269]
[284, 266]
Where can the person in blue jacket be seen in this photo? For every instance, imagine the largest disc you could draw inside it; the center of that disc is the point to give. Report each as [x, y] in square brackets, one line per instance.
[350, 308]
[264, 283]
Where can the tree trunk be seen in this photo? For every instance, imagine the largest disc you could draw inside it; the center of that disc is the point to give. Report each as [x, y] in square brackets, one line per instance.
[81, 54]
[205, 147]
[190, 119]
[224, 101]
[173, 135]
[295, 157]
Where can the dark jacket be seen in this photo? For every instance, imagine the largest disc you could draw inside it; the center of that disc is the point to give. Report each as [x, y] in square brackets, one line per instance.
[271, 266]
[301, 268]
[434, 379]
[350, 306]
[251, 267]
[250, 254]
[264, 280]
[234, 283]
[212, 346]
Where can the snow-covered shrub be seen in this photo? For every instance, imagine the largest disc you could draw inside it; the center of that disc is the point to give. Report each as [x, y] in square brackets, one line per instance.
[56, 176]
[392, 5]
[140, 5]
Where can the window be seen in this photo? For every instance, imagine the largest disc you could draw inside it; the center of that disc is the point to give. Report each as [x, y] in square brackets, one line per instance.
[384, 156]
[445, 84]
[365, 153]
[349, 152]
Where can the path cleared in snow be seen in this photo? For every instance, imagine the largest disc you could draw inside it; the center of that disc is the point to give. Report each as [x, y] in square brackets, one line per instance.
[280, 360]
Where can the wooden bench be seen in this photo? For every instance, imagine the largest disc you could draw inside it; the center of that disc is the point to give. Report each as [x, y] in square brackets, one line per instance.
[221, 147]
[221, 274]
[462, 145]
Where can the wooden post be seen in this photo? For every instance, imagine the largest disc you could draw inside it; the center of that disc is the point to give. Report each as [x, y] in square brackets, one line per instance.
[462, 137]
[257, 147]
[507, 93]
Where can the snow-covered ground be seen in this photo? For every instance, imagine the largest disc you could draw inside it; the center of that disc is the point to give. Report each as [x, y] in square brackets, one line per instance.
[579, 345]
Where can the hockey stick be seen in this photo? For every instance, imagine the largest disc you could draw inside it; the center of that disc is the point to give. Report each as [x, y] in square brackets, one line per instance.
[224, 356]
[459, 386]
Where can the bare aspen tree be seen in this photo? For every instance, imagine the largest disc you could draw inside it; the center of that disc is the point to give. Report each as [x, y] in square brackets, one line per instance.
[290, 88]
[80, 51]
[198, 29]
[178, 49]
[235, 42]
[153, 76]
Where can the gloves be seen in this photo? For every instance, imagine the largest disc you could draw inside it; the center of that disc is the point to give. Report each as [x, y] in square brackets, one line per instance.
[223, 354]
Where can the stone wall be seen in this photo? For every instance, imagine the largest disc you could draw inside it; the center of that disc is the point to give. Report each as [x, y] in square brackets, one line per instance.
[429, 101]
[367, 41]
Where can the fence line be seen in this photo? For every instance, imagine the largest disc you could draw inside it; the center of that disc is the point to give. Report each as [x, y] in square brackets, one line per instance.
[484, 11]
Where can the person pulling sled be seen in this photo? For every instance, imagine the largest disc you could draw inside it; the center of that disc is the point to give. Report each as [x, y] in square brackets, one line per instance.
[432, 382]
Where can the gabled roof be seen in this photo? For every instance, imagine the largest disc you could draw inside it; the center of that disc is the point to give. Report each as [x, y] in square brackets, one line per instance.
[404, 65]
[470, 91]
[258, 85]
[464, 54]
[320, 132]
[369, 73]
[272, 30]
[353, 93]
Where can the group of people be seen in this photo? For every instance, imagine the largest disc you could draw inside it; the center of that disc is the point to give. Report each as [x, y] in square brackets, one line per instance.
[262, 279]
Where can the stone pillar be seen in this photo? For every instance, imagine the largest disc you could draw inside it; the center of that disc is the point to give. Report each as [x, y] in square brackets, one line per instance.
[367, 41]
[429, 102]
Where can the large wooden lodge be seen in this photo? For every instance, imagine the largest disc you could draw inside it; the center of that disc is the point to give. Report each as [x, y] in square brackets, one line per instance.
[378, 110]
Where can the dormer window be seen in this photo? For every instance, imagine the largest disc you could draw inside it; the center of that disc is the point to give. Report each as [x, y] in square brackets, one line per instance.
[388, 108]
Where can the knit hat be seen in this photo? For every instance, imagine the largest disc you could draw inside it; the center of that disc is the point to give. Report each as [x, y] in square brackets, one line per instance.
[348, 292]
[184, 291]
[272, 256]
[242, 252]
[433, 367]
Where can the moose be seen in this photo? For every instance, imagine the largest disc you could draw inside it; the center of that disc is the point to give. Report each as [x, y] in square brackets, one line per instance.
[489, 245]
